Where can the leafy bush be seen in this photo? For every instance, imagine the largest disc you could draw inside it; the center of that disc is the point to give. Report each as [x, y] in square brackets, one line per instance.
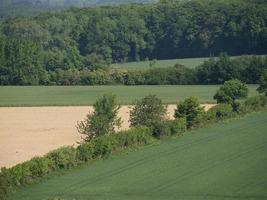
[178, 126]
[39, 166]
[63, 158]
[134, 78]
[132, 137]
[85, 152]
[147, 111]
[219, 112]
[5, 183]
[169, 127]
[255, 103]
[161, 128]
[102, 146]
[189, 109]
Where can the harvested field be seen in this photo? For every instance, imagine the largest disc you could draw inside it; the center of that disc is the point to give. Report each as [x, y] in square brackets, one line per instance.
[26, 132]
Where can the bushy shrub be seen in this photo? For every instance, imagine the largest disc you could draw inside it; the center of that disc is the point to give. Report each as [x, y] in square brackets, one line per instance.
[23, 174]
[26, 173]
[132, 137]
[255, 103]
[178, 126]
[63, 158]
[39, 166]
[219, 112]
[191, 110]
[147, 111]
[161, 129]
[5, 183]
[20, 174]
[102, 146]
[169, 127]
[85, 152]
[134, 78]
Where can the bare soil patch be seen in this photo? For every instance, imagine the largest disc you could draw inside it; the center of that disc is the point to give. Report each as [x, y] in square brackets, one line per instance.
[26, 132]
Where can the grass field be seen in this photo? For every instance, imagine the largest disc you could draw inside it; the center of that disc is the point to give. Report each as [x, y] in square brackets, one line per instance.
[143, 65]
[86, 95]
[225, 161]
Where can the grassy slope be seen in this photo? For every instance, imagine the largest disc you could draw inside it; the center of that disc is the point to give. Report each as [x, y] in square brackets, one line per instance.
[143, 65]
[86, 95]
[225, 161]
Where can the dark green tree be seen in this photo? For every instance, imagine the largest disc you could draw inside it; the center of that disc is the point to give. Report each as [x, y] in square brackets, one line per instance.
[189, 109]
[20, 62]
[147, 111]
[230, 92]
[103, 120]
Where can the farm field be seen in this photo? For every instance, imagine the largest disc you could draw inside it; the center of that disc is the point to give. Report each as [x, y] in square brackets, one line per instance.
[87, 95]
[26, 132]
[225, 161]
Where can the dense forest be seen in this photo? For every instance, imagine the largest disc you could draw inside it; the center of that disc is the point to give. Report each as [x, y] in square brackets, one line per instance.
[85, 41]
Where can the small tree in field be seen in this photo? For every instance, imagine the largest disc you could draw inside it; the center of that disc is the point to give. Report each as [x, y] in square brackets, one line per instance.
[189, 109]
[263, 83]
[103, 120]
[147, 111]
[230, 92]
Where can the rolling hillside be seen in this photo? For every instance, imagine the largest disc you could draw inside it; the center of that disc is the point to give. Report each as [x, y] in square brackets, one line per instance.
[225, 161]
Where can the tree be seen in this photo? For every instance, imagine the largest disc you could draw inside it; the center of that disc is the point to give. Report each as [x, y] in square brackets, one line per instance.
[147, 111]
[94, 62]
[231, 91]
[263, 83]
[189, 109]
[103, 120]
[20, 62]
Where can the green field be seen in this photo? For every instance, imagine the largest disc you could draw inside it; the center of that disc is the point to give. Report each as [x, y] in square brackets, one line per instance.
[143, 65]
[225, 161]
[86, 95]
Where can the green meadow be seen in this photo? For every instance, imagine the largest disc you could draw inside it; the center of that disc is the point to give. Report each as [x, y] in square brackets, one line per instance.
[144, 65]
[86, 95]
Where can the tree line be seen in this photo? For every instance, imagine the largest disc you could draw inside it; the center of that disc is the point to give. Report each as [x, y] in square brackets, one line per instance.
[248, 69]
[91, 38]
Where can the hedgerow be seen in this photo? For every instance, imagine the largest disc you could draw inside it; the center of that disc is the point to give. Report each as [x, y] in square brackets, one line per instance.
[69, 157]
